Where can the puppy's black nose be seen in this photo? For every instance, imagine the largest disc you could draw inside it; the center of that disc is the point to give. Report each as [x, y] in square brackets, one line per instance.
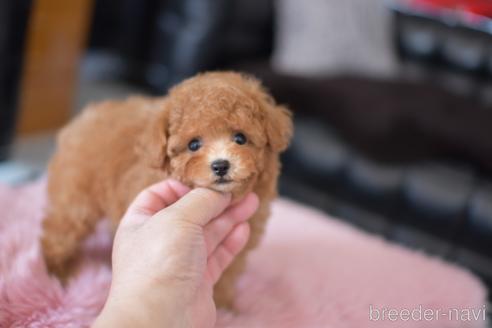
[220, 167]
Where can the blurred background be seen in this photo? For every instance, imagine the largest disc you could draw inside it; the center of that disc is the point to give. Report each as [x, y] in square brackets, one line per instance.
[392, 99]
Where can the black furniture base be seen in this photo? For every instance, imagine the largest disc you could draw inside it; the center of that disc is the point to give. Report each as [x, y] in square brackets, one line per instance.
[13, 24]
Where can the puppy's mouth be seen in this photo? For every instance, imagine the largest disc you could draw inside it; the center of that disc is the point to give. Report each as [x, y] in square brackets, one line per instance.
[222, 184]
[223, 181]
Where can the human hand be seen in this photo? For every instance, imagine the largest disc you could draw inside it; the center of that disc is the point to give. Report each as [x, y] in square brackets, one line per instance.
[170, 248]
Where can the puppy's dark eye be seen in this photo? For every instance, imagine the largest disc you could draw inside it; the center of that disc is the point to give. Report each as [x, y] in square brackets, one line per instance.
[194, 144]
[240, 138]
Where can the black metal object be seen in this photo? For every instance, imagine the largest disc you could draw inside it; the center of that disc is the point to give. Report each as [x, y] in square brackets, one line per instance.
[14, 17]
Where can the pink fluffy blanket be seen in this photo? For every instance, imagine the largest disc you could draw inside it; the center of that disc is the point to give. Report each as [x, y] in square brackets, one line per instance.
[310, 271]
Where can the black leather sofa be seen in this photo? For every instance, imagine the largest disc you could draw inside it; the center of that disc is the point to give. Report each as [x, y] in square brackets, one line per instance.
[437, 206]
[409, 161]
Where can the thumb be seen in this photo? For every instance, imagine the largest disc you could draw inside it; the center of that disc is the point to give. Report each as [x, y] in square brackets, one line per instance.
[199, 206]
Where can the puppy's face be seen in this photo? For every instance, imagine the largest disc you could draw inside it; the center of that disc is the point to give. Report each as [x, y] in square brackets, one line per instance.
[222, 129]
[217, 147]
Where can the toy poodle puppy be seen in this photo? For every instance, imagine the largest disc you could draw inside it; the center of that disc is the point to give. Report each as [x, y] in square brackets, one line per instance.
[217, 130]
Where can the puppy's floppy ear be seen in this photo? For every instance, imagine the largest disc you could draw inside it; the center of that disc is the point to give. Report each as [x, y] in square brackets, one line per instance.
[279, 127]
[277, 118]
[152, 144]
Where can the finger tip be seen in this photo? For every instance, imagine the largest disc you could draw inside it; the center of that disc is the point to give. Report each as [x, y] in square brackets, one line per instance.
[206, 204]
[255, 200]
[242, 232]
[224, 196]
[251, 203]
[245, 227]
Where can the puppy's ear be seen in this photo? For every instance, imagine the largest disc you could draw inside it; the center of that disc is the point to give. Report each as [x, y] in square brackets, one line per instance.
[279, 127]
[152, 144]
[277, 119]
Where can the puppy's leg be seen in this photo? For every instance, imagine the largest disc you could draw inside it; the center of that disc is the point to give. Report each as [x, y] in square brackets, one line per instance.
[224, 289]
[64, 229]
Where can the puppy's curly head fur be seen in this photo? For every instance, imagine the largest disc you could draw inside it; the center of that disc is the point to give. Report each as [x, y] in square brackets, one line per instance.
[220, 117]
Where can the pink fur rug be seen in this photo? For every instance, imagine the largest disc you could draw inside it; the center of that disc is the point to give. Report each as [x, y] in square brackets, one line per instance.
[310, 271]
